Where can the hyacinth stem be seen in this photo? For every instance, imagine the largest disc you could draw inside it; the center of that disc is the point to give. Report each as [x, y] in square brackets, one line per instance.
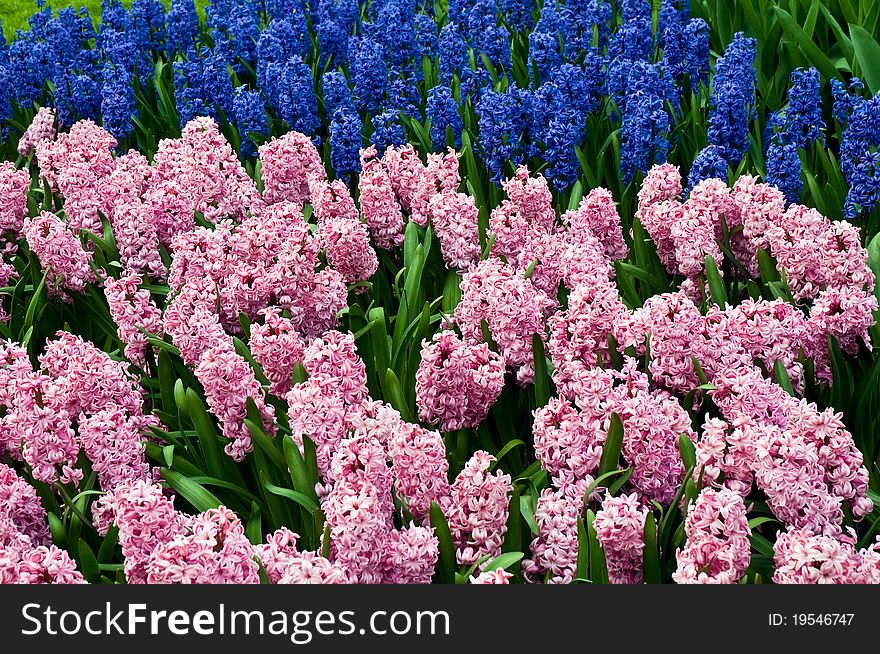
[69, 502]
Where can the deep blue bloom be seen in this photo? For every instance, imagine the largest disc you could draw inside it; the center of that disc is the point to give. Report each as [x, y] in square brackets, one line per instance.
[119, 48]
[281, 40]
[77, 96]
[695, 53]
[646, 121]
[803, 115]
[346, 13]
[5, 98]
[37, 21]
[332, 42]
[148, 21]
[403, 94]
[292, 95]
[345, 143]
[249, 108]
[369, 73]
[238, 23]
[286, 9]
[580, 87]
[181, 26]
[387, 131]
[545, 55]
[502, 121]
[634, 40]
[31, 63]
[733, 98]
[189, 95]
[860, 157]
[202, 86]
[395, 29]
[708, 164]
[442, 110]
[114, 15]
[118, 105]
[453, 54]
[565, 132]
[556, 20]
[336, 93]
[784, 169]
[426, 36]
[496, 46]
[845, 100]
[518, 13]
[590, 14]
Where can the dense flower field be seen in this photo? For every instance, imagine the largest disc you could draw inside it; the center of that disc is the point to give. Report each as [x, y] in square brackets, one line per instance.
[462, 292]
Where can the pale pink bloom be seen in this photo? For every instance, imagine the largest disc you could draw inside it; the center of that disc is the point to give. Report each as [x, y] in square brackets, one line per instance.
[497, 576]
[457, 383]
[555, 547]
[145, 517]
[42, 128]
[454, 219]
[287, 163]
[209, 176]
[114, 442]
[381, 209]
[14, 186]
[411, 555]
[511, 306]
[21, 512]
[76, 164]
[60, 252]
[477, 509]
[37, 565]
[620, 527]
[335, 354]
[192, 322]
[406, 172]
[419, 466]
[718, 550]
[213, 550]
[136, 240]
[229, 382]
[532, 197]
[597, 215]
[440, 175]
[133, 310]
[277, 347]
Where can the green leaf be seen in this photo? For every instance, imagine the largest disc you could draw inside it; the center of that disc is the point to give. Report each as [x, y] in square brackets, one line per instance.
[688, 452]
[445, 573]
[598, 569]
[542, 379]
[503, 561]
[451, 292]
[651, 552]
[299, 473]
[192, 492]
[209, 441]
[782, 378]
[394, 395]
[874, 261]
[612, 447]
[716, 285]
[301, 499]
[254, 528]
[867, 51]
[818, 58]
[38, 300]
[88, 562]
[583, 557]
